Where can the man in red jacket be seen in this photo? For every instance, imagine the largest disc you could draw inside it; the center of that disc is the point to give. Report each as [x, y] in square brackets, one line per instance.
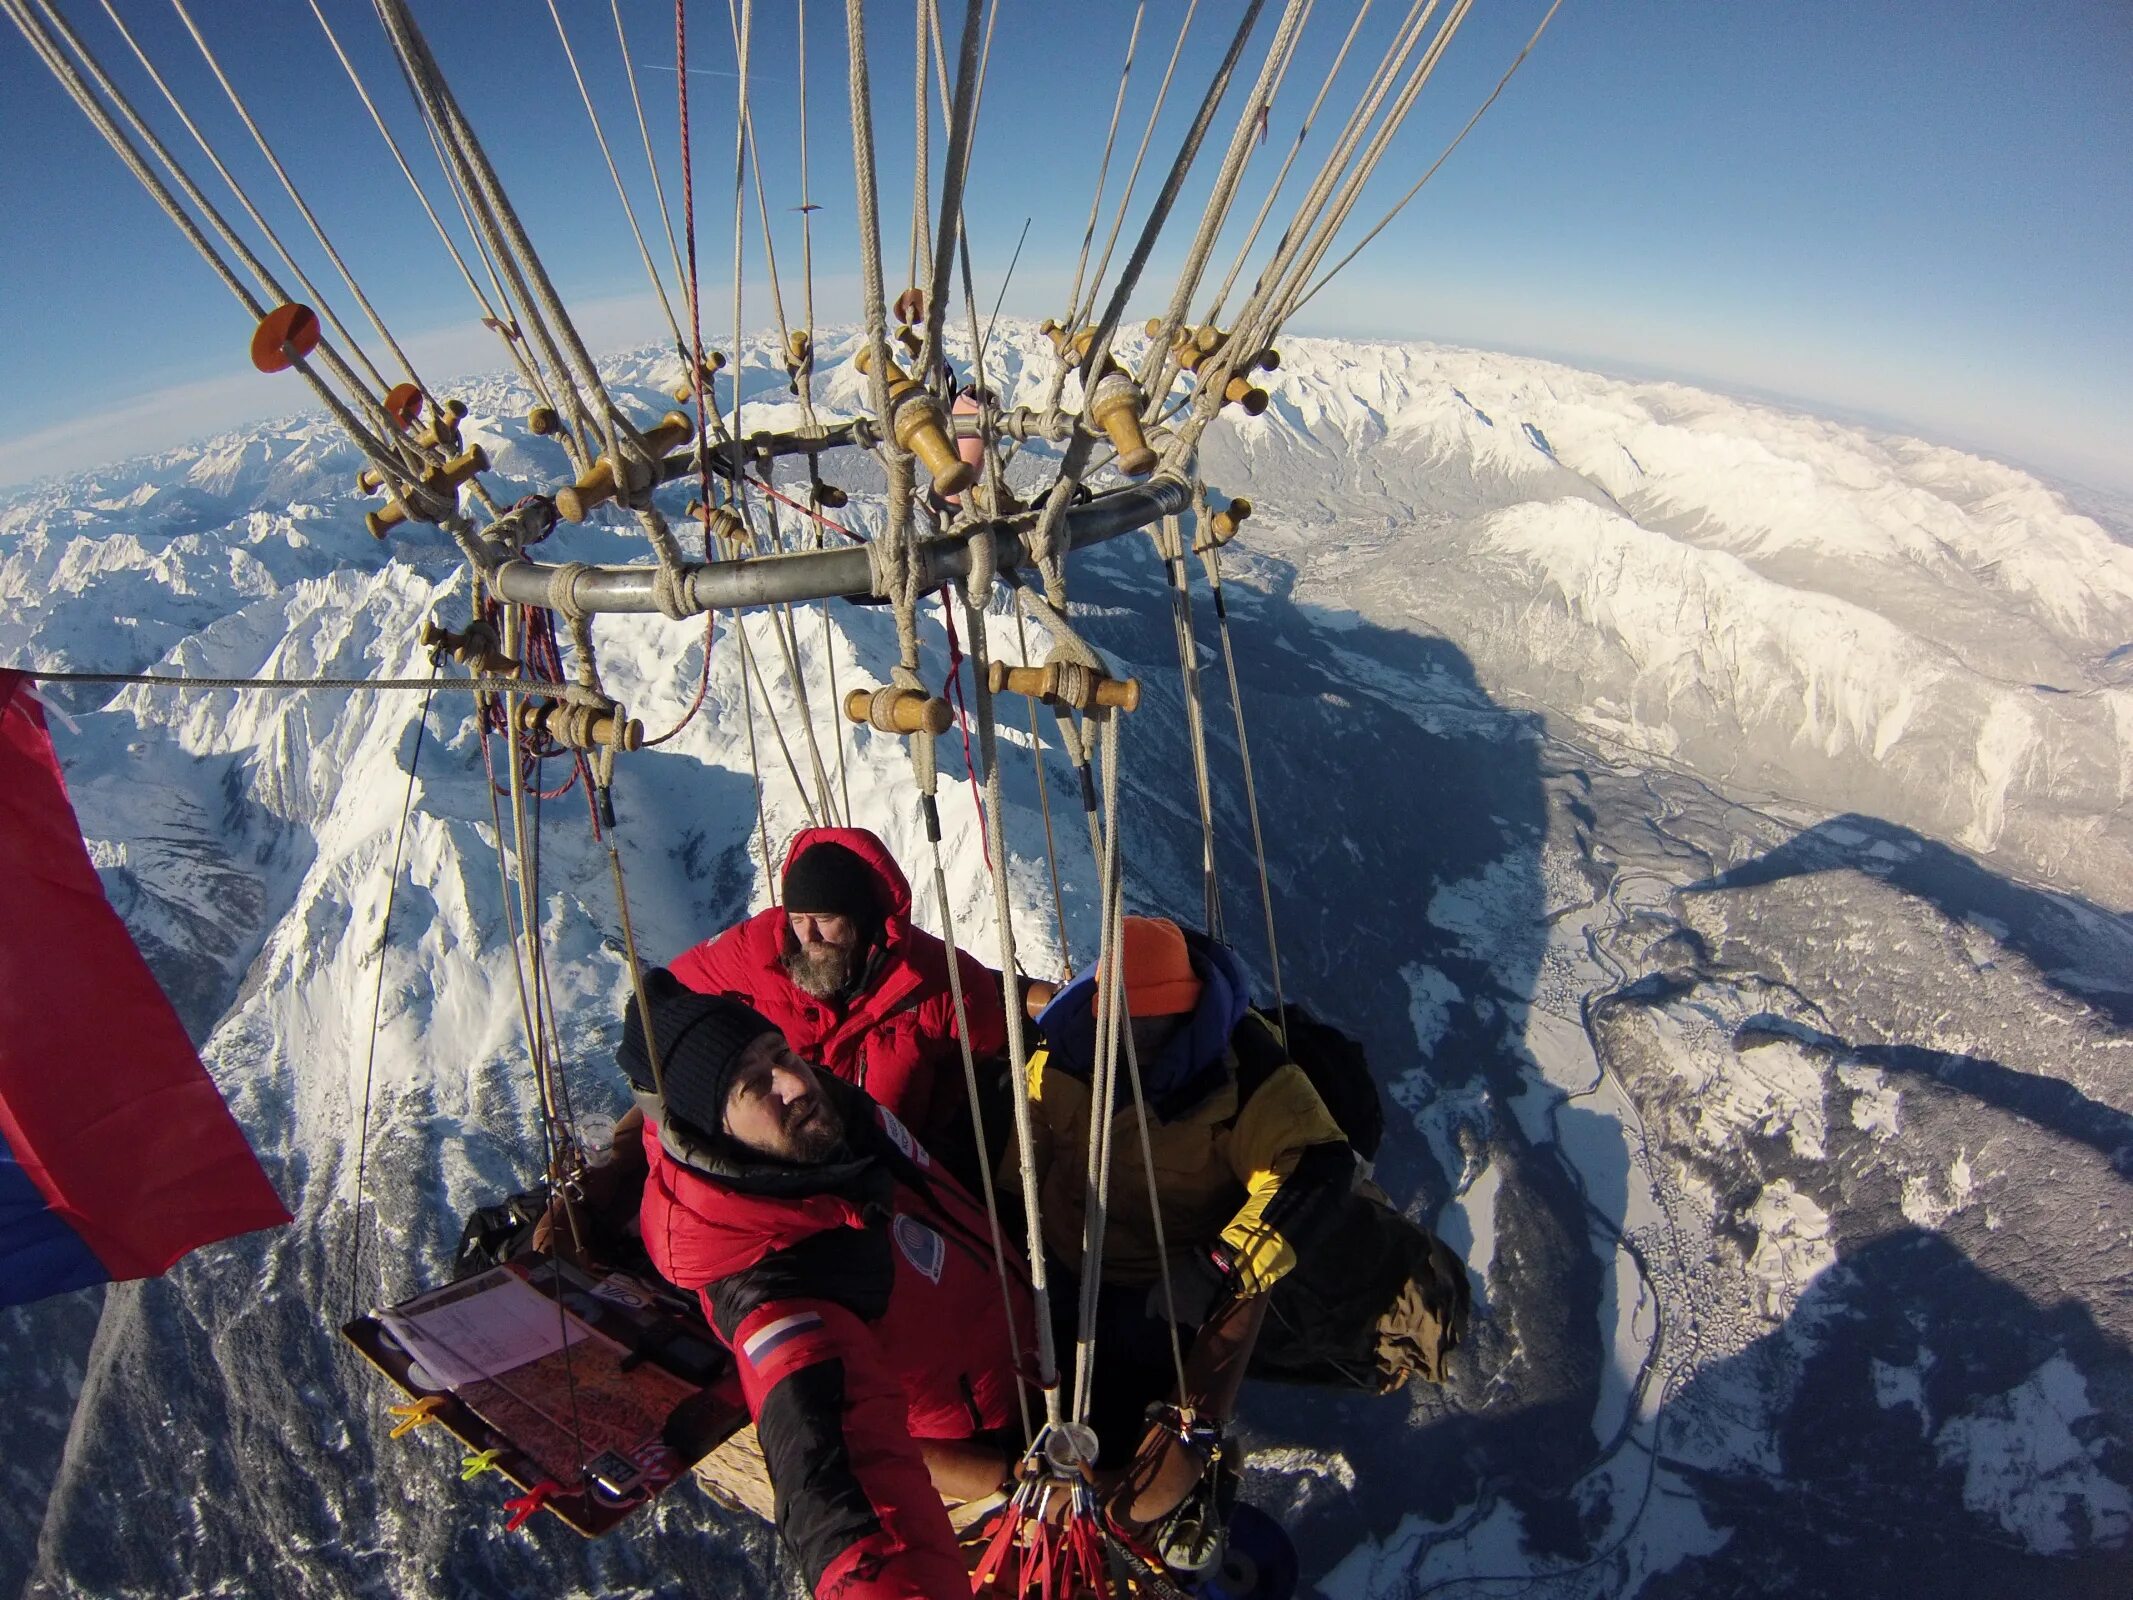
[854, 1281]
[839, 969]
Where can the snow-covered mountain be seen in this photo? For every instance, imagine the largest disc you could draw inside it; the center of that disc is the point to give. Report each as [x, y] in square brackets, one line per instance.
[1714, 820]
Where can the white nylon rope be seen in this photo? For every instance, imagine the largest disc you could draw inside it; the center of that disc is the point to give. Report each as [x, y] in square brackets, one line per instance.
[1303, 128]
[407, 366]
[70, 78]
[1368, 163]
[489, 311]
[629, 211]
[317, 299]
[1457, 140]
[476, 204]
[1243, 141]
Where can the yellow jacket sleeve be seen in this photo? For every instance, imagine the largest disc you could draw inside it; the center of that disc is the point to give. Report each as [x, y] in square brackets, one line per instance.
[1295, 1166]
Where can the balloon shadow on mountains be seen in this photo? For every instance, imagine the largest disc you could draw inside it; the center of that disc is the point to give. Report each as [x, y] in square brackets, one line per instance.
[1404, 814]
[1907, 1432]
[2083, 950]
[2050, 1104]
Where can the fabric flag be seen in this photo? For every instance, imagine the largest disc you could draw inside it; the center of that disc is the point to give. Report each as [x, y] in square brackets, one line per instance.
[117, 1154]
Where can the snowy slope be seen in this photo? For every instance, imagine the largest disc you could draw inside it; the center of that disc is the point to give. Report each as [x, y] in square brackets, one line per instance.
[1802, 610]
[1659, 785]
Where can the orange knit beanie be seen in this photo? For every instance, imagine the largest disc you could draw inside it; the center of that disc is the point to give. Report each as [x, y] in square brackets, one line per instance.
[1157, 968]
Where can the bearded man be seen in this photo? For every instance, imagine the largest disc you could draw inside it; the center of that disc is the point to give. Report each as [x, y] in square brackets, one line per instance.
[854, 1281]
[859, 990]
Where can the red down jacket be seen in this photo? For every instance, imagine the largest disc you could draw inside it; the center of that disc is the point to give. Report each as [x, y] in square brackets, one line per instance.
[862, 1303]
[897, 1037]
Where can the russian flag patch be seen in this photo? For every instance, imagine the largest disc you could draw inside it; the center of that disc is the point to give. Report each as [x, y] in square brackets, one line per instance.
[767, 1340]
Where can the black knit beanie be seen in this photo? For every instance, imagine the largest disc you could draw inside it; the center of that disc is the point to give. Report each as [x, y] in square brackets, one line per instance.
[700, 1038]
[830, 880]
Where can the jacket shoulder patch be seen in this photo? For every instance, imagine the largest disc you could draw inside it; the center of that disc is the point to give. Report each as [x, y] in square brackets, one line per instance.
[922, 1247]
[900, 1136]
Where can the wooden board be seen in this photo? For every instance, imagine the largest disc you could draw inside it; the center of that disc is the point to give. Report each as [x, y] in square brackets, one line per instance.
[638, 1392]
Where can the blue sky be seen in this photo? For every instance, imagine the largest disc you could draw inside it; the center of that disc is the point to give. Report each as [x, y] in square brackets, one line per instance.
[1921, 214]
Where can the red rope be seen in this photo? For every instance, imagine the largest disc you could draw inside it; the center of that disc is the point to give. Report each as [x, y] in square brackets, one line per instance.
[808, 511]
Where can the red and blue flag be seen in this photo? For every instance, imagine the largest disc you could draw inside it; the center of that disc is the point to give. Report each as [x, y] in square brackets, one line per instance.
[117, 1153]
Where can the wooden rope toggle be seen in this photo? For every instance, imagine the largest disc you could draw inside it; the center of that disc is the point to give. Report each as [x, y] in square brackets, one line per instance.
[685, 391]
[415, 1413]
[894, 710]
[543, 422]
[1198, 348]
[443, 481]
[724, 532]
[284, 337]
[576, 725]
[1222, 527]
[921, 427]
[1115, 403]
[1067, 683]
[610, 479]
[474, 647]
[441, 432]
[799, 357]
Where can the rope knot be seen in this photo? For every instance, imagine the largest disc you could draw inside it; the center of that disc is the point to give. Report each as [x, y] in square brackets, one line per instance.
[563, 590]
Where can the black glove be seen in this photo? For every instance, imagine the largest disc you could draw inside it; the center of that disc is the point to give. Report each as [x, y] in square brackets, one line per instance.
[1200, 1280]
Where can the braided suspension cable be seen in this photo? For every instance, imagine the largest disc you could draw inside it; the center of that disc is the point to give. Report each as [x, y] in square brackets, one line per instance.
[1281, 178]
[1103, 165]
[659, 288]
[489, 312]
[1178, 580]
[1011, 1000]
[1257, 107]
[478, 207]
[962, 129]
[1044, 540]
[1111, 1015]
[977, 1110]
[507, 235]
[921, 150]
[318, 301]
[46, 43]
[651, 159]
[1367, 163]
[895, 546]
[407, 366]
[743, 31]
[1457, 139]
[1213, 561]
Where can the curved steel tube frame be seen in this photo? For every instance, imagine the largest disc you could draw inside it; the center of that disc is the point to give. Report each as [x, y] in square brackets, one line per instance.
[824, 574]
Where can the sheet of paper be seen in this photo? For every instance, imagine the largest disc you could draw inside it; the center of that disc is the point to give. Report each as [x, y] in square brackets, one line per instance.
[482, 1328]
